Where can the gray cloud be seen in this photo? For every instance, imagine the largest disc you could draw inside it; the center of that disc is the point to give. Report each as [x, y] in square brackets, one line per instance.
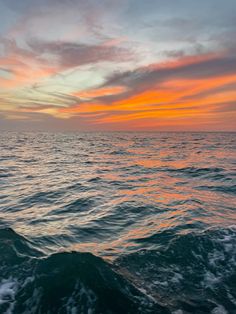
[5, 70]
[77, 54]
[145, 78]
[216, 66]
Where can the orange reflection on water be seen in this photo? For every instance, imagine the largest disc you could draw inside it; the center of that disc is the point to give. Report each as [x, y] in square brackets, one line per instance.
[132, 238]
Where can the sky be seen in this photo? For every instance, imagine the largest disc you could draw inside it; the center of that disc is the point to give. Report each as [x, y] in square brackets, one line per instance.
[118, 65]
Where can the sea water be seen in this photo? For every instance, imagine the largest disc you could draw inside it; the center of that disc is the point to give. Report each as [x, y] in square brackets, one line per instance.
[117, 223]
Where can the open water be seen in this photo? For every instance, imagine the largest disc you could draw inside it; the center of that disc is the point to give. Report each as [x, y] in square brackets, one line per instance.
[117, 223]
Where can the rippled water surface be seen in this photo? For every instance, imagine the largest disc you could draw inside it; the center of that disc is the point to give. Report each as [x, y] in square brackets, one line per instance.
[118, 223]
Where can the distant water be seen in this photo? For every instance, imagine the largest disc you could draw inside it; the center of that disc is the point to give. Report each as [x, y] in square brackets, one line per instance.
[117, 223]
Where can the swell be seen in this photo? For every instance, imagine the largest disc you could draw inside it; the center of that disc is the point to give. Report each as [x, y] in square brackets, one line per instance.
[194, 272]
[65, 282]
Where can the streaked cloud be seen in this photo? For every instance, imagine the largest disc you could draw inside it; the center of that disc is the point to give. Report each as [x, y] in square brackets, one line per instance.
[69, 55]
[118, 65]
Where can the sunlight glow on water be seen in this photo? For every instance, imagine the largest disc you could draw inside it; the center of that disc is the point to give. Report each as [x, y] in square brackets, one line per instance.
[109, 190]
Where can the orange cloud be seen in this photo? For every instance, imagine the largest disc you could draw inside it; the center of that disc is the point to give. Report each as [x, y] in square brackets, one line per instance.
[24, 70]
[190, 91]
[101, 92]
[173, 102]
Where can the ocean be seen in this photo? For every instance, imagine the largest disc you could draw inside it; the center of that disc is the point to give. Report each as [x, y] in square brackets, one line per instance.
[117, 223]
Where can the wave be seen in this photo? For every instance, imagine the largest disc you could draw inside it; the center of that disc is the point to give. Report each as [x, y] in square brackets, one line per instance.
[66, 282]
[206, 172]
[193, 273]
[230, 189]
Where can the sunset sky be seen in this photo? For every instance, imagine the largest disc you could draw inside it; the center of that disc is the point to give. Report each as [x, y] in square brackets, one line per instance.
[97, 65]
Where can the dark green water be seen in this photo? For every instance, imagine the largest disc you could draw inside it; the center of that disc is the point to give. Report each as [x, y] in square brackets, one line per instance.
[118, 223]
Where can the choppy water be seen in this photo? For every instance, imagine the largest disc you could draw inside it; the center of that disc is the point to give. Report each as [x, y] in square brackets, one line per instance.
[117, 223]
